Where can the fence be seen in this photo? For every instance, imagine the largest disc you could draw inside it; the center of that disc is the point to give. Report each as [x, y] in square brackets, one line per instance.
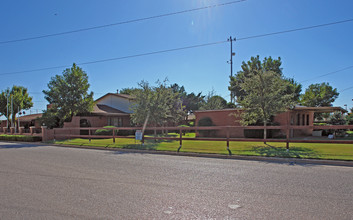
[22, 131]
[68, 133]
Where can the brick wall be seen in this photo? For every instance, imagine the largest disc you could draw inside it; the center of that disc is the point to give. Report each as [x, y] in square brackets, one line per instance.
[224, 117]
[231, 117]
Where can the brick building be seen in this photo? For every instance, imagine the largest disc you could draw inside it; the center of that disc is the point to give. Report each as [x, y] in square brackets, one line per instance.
[299, 116]
[26, 121]
[111, 109]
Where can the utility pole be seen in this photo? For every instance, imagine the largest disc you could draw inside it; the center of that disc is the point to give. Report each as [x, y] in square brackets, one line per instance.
[12, 122]
[18, 119]
[7, 110]
[231, 64]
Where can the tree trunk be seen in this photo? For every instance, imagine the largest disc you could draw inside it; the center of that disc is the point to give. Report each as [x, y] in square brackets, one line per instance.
[265, 132]
[155, 135]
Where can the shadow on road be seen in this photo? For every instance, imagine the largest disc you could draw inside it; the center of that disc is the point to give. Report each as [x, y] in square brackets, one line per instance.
[5, 145]
[290, 162]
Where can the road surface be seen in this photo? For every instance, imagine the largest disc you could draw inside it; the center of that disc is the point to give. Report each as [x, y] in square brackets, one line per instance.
[48, 182]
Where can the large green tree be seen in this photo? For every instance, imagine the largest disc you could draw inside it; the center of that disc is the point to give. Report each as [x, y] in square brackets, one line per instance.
[265, 96]
[213, 102]
[349, 117]
[157, 105]
[256, 65]
[68, 95]
[319, 95]
[128, 91]
[191, 101]
[16, 97]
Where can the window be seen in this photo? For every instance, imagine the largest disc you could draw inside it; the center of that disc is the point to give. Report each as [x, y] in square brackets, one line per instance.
[84, 123]
[303, 119]
[307, 119]
[115, 121]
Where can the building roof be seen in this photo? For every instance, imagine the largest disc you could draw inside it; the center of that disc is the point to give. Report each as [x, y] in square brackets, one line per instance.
[219, 110]
[320, 109]
[296, 108]
[105, 110]
[30, 117]
[129, 97]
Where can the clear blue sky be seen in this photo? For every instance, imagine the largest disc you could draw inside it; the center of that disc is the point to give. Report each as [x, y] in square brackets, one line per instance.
[305, 54]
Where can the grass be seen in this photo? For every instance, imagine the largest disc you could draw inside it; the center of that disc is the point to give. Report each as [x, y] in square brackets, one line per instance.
[297, 150]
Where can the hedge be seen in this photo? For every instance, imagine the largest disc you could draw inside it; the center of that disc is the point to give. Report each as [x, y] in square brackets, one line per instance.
[24, 138]
[105, 131]
[206, 121]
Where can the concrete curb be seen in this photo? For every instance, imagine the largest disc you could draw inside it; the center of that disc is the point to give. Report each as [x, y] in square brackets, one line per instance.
[220, 156]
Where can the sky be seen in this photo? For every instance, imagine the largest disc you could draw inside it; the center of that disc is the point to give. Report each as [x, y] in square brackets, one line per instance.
[306, 55]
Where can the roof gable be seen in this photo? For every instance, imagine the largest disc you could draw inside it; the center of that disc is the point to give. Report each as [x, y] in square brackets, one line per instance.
[124, 96]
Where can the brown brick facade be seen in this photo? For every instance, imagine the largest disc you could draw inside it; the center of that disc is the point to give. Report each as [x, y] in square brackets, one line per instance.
[232, 117]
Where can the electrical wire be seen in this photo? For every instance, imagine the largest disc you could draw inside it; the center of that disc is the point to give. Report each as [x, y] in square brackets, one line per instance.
[330, 73]
[117, 58]
[121, 23]
[297, 29]
[345, 89]
[181, 48]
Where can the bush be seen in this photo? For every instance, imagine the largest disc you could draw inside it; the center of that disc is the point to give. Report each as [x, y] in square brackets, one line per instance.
[206, 121]
[255, 133]
[259, 133]
[320, 123]
[184, 131]
[106, 132]
[24, 138]
[125, 132]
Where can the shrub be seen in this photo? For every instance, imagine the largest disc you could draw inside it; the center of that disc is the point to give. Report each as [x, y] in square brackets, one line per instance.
[185, 126]
[320, 123]
[24, 138]
[206, 121]
[259, 133]
[125, 132]
[106, 132]
[255, 133]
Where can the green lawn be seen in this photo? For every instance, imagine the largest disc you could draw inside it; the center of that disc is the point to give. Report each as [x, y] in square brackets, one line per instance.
[297, 150]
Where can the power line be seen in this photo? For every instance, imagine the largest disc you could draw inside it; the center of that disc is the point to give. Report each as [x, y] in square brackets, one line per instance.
[118, 58]
[340, 70]
[297, 29]
[180, 48]
[345, 89]
[121, 23]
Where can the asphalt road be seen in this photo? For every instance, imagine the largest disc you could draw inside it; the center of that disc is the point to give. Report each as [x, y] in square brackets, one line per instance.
[47, 182]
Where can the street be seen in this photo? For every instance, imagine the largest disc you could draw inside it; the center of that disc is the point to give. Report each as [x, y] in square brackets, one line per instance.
[48, 182]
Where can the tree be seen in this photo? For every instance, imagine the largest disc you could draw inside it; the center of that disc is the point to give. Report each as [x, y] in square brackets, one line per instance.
[337, 118]
[265, 96]
[349, 117]
[129, 91]
[68, 95]
[213, 102]
[319, 95]
[191, 101]
[158, 105]
[255, 64]
[18, 98]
